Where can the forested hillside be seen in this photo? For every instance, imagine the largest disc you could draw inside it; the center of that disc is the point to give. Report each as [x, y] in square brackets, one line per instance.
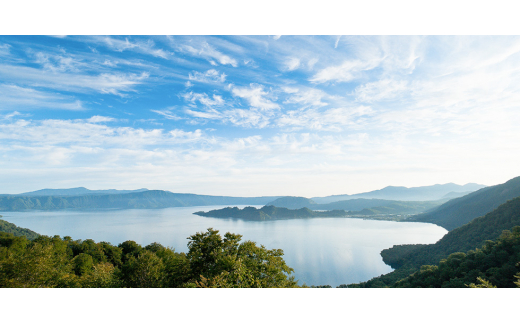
[408, 259]
[8, 227]
[460, 211]
[212, 261]
[496, 264]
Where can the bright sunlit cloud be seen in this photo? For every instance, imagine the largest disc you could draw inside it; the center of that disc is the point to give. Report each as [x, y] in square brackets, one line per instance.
[258, 115]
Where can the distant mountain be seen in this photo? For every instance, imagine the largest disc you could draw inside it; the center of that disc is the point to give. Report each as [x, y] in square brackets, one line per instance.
[401, 193]
[367, 206]
[452, 195]
[150, 199]
[462, 210]
[409, 258]
[292, 202]
[77, 191]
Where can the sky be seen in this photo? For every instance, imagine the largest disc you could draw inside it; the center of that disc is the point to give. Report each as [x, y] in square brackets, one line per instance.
[258, 115]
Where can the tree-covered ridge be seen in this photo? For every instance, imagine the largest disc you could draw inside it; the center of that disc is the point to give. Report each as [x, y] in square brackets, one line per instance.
[212, 261]
[462, 210]
[408, 259]
[8, 227]
[496, 264]
[269, 212]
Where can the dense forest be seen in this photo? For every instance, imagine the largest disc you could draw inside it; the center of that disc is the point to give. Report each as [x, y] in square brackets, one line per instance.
[212, 261]
[408, 259]
[496, 264]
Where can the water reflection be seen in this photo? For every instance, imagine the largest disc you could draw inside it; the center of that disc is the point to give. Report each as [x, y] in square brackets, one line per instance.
[322, 251]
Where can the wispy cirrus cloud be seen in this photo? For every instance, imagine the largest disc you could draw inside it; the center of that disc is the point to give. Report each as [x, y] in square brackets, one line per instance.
[209, 76]
[332, 119]
[346, 72]
[208, 52]
[384, 89]
[4, 49]
[113, 83]
[120, 45]
[22, 98]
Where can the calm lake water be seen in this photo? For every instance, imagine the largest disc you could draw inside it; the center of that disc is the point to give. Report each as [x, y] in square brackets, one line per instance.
[321, 251]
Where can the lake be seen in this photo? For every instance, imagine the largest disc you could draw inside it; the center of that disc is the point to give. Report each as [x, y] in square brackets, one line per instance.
[329, 251]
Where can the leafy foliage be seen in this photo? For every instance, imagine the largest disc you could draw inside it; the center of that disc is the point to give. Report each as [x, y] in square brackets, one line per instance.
[212, 261]
[496, 264]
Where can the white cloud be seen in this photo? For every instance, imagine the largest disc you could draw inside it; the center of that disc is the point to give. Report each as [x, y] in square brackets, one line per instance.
[332, 119]
[4, 49]
[337, 41]
[345, 72]
[311, 63]
[206, 51]
[291, 64]
[105, 83]
[309, 97]
[147, 47]
[255, 95]
[207, 77]
[168, 114]
[16, 97]
[203, 99]
[97, 119]
[276, 37]
[380, 90]
[58, 63]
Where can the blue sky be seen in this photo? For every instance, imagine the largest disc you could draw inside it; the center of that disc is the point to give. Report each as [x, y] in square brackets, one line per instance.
[258, 115]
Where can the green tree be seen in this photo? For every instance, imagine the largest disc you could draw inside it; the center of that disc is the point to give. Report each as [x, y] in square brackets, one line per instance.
[225, 262]
[145, 271]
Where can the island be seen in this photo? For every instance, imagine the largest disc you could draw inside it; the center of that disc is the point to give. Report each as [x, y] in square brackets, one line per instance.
[269, 212]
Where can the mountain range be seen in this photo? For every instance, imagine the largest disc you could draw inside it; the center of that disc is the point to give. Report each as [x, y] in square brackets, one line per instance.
[401, 193]
[80, 197]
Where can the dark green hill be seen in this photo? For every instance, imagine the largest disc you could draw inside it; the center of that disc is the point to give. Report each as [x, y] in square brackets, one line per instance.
[136, 200]
[409, 258]
[8, 227]
[269, 212]
[292, 202]
[462, 210]
[496, 264]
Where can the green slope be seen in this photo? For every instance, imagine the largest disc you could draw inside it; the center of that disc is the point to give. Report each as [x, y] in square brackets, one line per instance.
[409, 259]
[462, 210]
[496, 264]
[8, 227]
